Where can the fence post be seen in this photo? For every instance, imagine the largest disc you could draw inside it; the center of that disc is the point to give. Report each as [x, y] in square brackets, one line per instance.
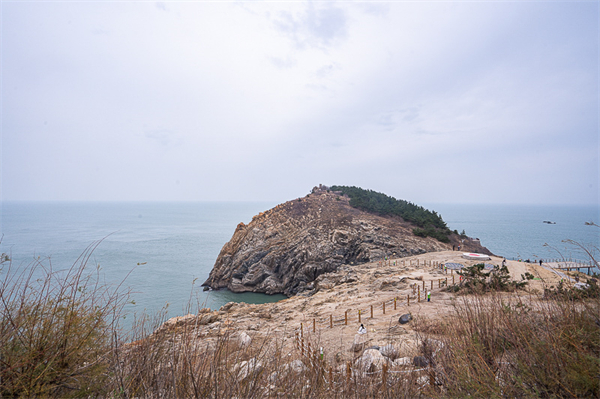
[330, 375]
[453, 283]
[371, 311]
[359, 315]
[384, 307]
[348, 373]
[346, 318]
[446, 282]
[423, 284]
[394, 303]
[302, 339]
[419, 293]
[384, 374]
[330, 321]
[407, 300]
[314, 325]
[431, 284]
[439, 283]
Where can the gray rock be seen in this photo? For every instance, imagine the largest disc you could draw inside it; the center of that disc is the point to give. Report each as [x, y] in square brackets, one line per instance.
[423, 380]
[357, 347]
[295, 366]
[244, 339]
[247, 369]
[389, 351]
[405, 318]
[403, 362]
[208, 318]
[360, 342]
[420, 361]
[228, 306]
[371, 360]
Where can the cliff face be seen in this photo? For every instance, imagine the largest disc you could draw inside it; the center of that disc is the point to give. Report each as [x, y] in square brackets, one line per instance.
[284, 249]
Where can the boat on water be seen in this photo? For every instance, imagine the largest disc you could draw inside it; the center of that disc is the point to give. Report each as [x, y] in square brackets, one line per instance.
[549, 222]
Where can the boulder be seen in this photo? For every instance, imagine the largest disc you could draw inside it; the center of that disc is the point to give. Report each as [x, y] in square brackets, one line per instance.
[247, 369]
[295, 366]
[370, 361]
[420, 361]
[389, 351]
[405, 318]
[403, 362]
[360, 342]
[244, 339]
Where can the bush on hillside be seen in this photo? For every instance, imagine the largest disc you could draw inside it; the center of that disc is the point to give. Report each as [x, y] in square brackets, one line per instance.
[431, 224]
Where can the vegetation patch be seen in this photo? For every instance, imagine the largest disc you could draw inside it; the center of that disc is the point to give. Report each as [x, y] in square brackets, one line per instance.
[429, 223]
[476, 280]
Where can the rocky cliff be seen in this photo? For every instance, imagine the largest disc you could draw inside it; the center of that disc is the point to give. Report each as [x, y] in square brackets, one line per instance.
[284, 249]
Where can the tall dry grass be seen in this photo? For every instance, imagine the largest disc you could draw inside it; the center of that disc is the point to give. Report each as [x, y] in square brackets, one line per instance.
[56, 329]
[520, 346]
[59, 338]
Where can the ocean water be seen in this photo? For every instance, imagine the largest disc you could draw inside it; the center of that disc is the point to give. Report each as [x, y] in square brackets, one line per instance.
[519, 231]
[164, 251]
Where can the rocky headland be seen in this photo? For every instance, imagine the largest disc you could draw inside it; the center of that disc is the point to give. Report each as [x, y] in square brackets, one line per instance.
[285, 249]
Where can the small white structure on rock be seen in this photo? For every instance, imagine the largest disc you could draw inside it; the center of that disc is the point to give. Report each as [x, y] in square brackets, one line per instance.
[473, 256]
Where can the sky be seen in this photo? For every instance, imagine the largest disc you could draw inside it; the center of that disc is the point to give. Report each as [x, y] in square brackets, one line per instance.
[437, 102]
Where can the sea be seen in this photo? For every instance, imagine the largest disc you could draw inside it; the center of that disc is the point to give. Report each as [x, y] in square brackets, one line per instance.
[163, 252]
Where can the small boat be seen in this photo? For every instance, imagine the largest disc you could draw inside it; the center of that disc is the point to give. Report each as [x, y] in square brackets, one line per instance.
[549, 222]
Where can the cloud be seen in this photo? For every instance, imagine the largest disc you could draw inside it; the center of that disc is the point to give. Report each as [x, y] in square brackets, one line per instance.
[319, 25]
[164, 137]
[106, 100]
[283, 63]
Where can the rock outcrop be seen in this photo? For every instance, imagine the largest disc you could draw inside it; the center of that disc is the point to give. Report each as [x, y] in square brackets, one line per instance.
[285, 249]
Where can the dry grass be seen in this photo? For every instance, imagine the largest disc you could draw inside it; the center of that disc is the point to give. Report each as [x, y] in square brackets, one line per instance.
[58, 338]
[509, 346]
[56, 329]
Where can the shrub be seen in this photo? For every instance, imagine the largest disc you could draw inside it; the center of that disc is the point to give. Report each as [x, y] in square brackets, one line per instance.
[55, 330]
[475, 279]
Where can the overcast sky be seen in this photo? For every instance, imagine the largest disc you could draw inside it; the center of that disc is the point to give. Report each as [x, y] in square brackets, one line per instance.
[456, 102]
